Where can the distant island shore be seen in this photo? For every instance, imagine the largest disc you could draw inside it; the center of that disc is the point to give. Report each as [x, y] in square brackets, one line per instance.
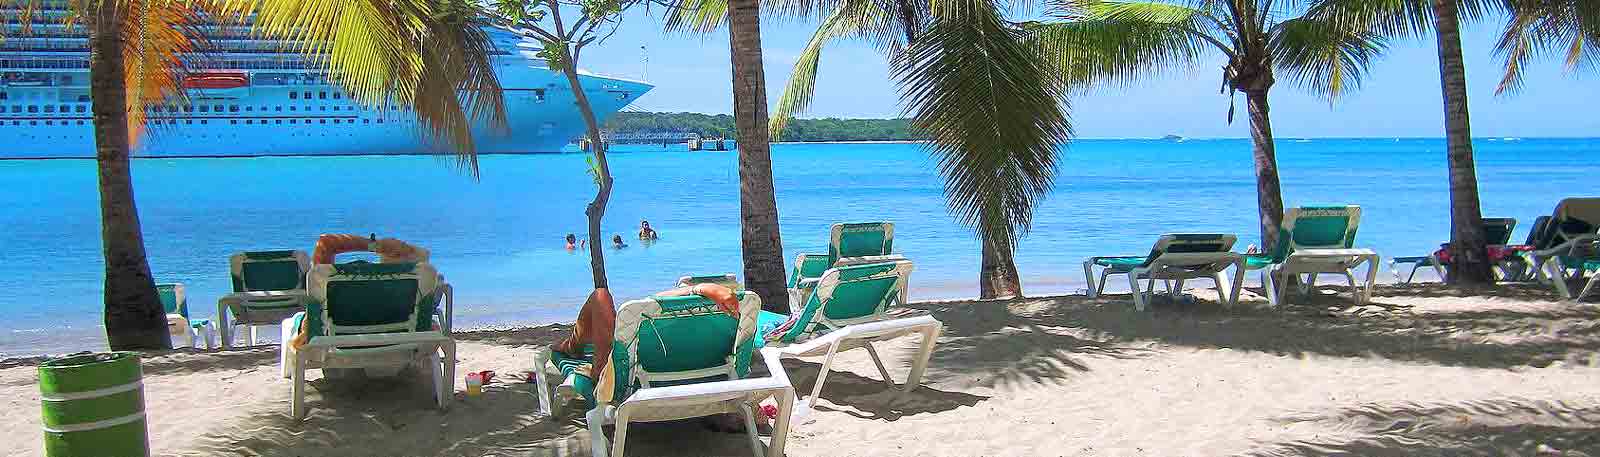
[798, 130]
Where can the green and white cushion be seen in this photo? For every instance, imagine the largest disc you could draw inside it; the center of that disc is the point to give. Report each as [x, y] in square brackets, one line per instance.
[664, 341]
[1315, 240]
[845, 240]
[1176, 256]
[268, 286]
[843, 296]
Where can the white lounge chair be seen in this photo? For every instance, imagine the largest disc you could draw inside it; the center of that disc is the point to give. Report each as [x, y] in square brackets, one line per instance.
[1175, 257]
[1315, 240]
[179, 323]
[848, 309]
[848, 242]
[375, 317]
[268, 286]
[1570, 246]
[672, 358]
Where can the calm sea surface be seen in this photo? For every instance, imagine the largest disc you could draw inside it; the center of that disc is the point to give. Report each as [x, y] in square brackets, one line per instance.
[498, 238]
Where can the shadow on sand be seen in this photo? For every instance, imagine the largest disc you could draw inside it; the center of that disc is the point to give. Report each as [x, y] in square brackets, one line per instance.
[395, 416]
[1043, 339]
[1502, 427]
[871, 398]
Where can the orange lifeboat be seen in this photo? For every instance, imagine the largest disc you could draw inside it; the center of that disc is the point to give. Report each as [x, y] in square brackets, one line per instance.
[216, 80]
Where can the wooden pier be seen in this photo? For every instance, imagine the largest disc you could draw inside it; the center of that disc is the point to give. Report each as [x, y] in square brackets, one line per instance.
[692, 140]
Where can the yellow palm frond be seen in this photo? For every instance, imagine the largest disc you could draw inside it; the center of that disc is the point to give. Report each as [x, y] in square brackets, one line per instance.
[432, 55]
[157, 36]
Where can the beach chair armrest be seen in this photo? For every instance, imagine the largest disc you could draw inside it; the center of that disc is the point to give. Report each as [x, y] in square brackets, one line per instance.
[773, 358]
[703, 392]
[1568, 247]
[447, 293]
[377, 339]
[866, 259]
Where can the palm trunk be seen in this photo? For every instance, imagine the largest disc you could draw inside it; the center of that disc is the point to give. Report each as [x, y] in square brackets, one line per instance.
[998, 277]
[1469, 258]
[597, 208]
[134, 317]
[758, 204]
[1269, 197]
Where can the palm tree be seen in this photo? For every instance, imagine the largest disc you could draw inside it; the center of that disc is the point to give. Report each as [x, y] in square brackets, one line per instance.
[760, 239]
[955, 62]
[427, 53]
[1120, 41]
[1536, 27]
[1470, 264]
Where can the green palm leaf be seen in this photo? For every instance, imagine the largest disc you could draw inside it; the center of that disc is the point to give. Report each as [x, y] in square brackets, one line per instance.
[1538, 27]
[993, 112]
[1321, 57]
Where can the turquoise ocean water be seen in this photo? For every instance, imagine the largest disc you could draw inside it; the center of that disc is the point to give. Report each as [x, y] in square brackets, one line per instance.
[498, 239]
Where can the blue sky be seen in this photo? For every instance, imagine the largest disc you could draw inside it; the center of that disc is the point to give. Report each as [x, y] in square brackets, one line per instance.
[1400, 97]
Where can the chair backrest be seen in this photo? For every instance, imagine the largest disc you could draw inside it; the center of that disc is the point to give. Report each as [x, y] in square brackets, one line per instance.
[850, 295]
[255, 271]
[727, 280]
[173, 299]
[1189, 243]
[1573, 217]
[1318, 227]
[683, 339]
[1497, 230]
[857, 239]
[362, 297]
[1537, 231]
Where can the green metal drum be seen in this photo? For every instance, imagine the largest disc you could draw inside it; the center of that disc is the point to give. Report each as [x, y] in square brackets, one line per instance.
[93, 405]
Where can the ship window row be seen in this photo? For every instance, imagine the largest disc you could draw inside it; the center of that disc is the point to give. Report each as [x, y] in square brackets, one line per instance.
[247, 108]
[50, 108]
[320, 95]
[46, 122]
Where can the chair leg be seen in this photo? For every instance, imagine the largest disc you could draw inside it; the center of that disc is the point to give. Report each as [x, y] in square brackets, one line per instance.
[1176, 289]
[1103, 275]
[297, 402]
[822, 375]
[547, 401]
[780, 425]
[619, 434]
[1270, 287]
[436, 365]
[1088, 278]
[1238, 283]
[1372, 278]
[1138, 297]
[1220, 279]
[749, 429]
[253, 338]
[930, 337]
[598, 445]
[1438, 267]
[1350, 277]
[1587, 288]
[877, 361]
[193, 335]
[210, 336]
[1394, 270]
[223, 329]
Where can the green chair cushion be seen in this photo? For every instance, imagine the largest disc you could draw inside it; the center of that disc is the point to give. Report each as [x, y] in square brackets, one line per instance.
[1257, 261]
[198, 323]
[697, 342]
[1123, 263]
[581, 379]
[1423, 260]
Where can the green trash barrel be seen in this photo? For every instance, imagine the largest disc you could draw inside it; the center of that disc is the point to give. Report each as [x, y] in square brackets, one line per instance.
[93, 405]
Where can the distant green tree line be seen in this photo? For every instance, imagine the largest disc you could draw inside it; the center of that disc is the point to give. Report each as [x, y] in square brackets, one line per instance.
[721, 125]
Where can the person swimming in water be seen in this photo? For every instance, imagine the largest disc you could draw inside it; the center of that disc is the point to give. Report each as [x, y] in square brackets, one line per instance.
[573, 242]
[645, 232]
[616, 242]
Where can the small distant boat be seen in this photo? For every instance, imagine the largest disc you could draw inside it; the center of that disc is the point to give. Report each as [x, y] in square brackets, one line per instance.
[1177, 138]
[1510, 138]
[217, 80]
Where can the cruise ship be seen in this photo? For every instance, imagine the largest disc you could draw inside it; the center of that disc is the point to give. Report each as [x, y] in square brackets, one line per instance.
[255, 97]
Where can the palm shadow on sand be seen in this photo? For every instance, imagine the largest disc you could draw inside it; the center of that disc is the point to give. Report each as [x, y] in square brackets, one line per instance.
[871, 398]
[1500, 427]
[1044, 339]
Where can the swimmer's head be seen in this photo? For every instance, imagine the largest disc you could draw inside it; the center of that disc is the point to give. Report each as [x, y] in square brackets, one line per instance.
[572, 238]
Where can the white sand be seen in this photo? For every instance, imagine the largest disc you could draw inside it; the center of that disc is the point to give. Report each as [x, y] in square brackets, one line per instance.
[1419, 372]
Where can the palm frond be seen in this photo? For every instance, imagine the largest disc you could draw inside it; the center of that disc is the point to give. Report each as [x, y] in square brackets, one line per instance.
[1321, 56]
[160, 38]
[1538, 27]
[1119, 42]
[695, 17]
[993, 111]
[432, 55]
[865, 19]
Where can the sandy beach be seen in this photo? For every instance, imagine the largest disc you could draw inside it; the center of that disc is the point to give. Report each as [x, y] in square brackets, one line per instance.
[1418, 372]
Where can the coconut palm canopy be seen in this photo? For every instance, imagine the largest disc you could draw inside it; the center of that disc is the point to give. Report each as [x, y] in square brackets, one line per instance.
[428, 54]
